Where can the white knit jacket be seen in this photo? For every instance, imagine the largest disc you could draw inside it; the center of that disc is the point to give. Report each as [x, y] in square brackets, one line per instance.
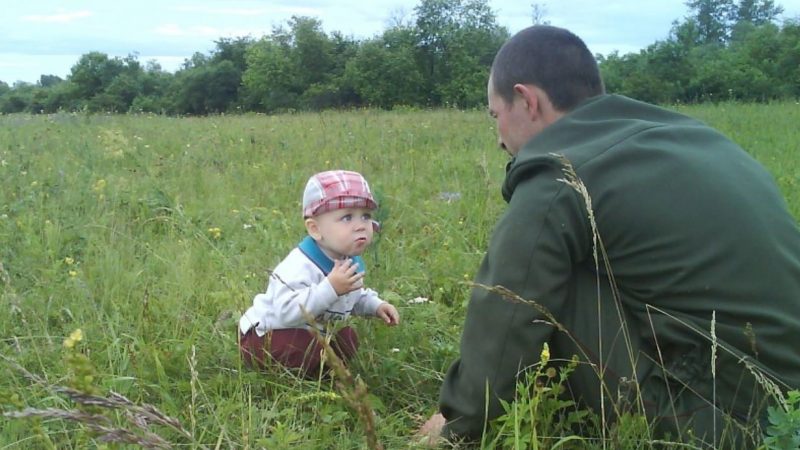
[297, 284]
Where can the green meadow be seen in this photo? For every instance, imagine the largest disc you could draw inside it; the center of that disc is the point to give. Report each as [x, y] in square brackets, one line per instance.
[152, 234]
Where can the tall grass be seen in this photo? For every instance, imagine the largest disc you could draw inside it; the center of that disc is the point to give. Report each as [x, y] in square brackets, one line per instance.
[152, 234]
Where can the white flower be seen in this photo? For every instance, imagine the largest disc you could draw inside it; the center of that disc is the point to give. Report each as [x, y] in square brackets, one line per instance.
[395, 350]
[418, 300]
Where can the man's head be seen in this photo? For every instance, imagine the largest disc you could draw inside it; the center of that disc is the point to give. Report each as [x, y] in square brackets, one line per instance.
[337, 208]
[540, 74]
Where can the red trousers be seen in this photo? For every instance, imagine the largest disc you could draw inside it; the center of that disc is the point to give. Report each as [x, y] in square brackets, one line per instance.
[295, 348]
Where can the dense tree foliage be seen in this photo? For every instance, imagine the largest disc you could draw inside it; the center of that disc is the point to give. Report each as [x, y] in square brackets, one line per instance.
[722, 50]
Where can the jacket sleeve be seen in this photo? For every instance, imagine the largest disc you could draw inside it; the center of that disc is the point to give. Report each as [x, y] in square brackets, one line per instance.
[543, 232]
[292, 295]
[367, 303]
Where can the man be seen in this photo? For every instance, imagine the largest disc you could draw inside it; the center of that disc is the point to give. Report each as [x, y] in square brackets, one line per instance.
[696, 285]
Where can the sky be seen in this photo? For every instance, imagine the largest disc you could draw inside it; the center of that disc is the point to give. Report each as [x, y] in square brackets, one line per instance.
[47, 37]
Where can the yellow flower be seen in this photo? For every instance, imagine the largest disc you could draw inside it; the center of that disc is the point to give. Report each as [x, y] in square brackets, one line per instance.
[73, 273]
[99, 185]
[69, 261]
[74, 337]
[215, 232]
[545, 356]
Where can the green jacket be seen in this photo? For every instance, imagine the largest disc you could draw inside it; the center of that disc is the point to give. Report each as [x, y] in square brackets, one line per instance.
[693, 227]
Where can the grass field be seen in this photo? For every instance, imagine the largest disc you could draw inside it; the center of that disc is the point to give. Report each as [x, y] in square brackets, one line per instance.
[151, 235]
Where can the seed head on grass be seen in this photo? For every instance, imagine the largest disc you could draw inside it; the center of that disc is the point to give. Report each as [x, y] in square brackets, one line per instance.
[352, 389]
[111, 417]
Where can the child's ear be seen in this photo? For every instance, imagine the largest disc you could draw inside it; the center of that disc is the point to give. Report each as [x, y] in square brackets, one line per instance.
[313, 229]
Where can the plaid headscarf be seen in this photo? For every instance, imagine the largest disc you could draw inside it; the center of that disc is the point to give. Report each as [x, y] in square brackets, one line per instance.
[336, 189]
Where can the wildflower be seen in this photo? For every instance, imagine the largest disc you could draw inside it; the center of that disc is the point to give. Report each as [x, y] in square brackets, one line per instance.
[545, 356]
[3, 163]
[74, 337]
[215, 232]
[34, 183]
[73, 273]
[69, 261]
[449, 197]
[418, 300]
[247, 226]
[327, 395]
[99, 185]
[395, 350]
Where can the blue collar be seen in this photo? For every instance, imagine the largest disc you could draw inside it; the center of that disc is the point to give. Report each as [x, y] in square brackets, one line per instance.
[310, 248]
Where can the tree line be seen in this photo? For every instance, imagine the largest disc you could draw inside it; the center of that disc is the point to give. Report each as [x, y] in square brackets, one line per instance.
[723, 49]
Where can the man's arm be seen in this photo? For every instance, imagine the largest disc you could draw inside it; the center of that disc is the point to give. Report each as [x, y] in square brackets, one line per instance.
[534, 246]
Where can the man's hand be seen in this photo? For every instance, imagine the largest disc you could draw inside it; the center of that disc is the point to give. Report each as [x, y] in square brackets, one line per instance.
[388, 314]
[432, 430]
[343, 277]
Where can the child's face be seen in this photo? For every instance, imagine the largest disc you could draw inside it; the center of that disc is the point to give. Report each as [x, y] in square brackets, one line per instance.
[342, 232]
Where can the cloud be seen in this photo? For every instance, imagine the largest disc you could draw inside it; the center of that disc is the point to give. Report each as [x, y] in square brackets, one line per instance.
[174, 30]
[249, 12]
[57, 18]
[171, 29]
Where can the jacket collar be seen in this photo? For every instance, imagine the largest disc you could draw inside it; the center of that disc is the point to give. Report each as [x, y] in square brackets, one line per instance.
[311, 249]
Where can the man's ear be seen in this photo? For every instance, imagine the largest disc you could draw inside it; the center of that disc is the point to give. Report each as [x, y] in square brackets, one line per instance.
[312, 227]
[531, 96]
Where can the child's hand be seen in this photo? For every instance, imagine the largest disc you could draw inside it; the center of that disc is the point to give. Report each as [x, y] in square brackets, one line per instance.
[388, 314]
[343, 277]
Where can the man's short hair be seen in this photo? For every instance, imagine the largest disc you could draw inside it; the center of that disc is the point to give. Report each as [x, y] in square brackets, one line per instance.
[552, 58]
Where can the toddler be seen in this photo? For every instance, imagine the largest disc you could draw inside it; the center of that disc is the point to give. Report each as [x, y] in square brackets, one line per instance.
[323, 277]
